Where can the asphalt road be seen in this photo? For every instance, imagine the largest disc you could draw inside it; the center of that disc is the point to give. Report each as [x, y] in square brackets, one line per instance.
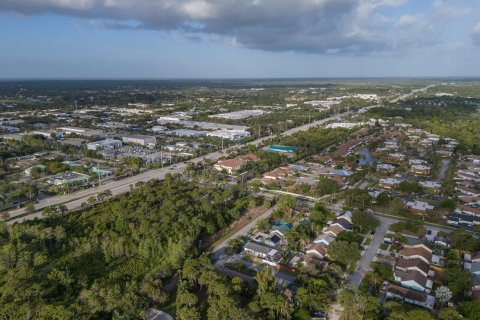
[74, 200]
[443, 170]
[219, 250]
[363, 264]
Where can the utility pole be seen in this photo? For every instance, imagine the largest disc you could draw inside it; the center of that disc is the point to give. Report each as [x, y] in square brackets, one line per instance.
[161, 157]
[98, 173]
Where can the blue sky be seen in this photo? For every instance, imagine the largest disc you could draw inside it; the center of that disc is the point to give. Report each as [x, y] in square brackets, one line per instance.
[239, 38]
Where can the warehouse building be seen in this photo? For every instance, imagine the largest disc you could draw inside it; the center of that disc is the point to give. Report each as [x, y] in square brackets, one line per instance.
[108, 144]
[145, 141]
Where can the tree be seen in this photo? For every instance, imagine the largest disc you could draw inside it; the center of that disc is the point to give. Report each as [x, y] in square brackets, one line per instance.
[449, 314]
[458, 281]
[470, 310]
[409, 186]
[443, 295]
[319, 214]
[344, 253]
[350, 237]
[326, 186]
[286, 203]
[29, 208]
[364, 222]
[263, 225]
[383, 199]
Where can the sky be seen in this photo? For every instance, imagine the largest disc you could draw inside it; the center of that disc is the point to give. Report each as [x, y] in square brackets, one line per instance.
[165, 39]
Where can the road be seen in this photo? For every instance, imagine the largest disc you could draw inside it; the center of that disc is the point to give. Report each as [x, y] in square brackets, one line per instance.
[403, 97]
[443, 170]
[219, 250]
[363, 264]
[74, 200]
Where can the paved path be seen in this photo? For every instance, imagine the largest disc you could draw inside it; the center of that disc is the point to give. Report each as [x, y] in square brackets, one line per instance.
[74, 200]
[364, 264]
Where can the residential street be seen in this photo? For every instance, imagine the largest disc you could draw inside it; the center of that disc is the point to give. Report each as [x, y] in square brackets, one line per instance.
[219, 250]
[443, 170]
[364, 264]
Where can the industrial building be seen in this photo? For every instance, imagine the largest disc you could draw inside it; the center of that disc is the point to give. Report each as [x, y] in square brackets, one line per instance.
[234, 135]
[84, 132]
[145, 141]
[108, 144]
[188, 133]
[237, 115]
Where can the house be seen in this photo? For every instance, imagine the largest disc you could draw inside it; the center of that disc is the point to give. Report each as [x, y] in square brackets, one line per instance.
[413, 280]
[442, 242]
[385, 167]
[413, 162]
[417, 265]
[417, 298]
[318, 250]
[418, 251]
[324, 239]
[312, 260]
[419, 206]
[333, 231]
[268, 255]
[463, 209]
[397, 156]
[281, 228]
[278, 174]
[229, 165]
[472, 257]
[388, 183]
[468, 191]
[342, 223]
[38, 167]
[430, 185]
[272, 238]
[420, 169]
[463, 220]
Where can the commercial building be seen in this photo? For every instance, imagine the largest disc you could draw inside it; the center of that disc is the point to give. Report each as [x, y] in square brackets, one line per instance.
[234, 135]
[146, 141]
[188, 133]
[108, 144]
[237, 115]
[84, 132]
[68, 178]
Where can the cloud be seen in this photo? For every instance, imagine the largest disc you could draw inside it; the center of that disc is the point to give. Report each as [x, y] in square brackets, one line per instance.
[476, 34]
[355, 27]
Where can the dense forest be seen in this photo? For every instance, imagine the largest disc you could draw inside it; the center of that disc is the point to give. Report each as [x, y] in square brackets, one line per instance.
[112, 260]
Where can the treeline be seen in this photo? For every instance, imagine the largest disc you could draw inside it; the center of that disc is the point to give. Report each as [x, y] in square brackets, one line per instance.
[113, 260]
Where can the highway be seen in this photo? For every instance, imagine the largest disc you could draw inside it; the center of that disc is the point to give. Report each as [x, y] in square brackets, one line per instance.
[74, 200]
